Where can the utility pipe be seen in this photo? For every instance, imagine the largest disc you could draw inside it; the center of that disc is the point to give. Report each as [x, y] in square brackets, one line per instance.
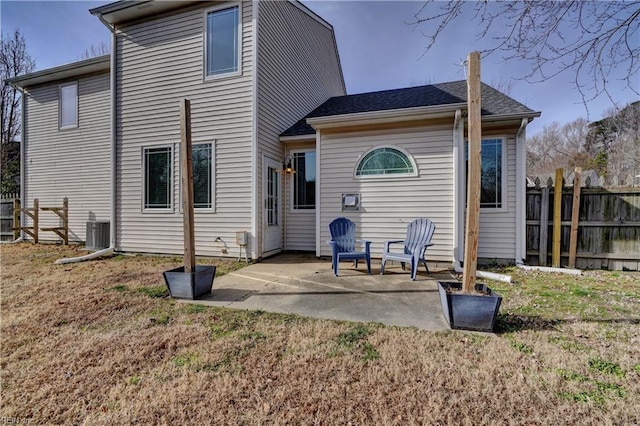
[112, 198]
[483, 274]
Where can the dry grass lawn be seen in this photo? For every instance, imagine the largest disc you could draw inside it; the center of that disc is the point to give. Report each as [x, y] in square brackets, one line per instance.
[100, 343]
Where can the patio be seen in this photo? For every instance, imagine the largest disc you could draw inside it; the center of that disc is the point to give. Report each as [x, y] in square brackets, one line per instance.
[301, 284]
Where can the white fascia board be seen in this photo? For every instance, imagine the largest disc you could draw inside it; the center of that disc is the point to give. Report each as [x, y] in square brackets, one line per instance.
[386, 116]
[298, 138]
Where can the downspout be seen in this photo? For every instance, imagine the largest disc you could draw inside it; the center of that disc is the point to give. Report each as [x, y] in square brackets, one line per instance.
[459, 204]
[521, 187]
[112, 197]
[22, 159]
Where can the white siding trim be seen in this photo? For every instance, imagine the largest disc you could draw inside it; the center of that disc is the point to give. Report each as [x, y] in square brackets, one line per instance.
[318, 188]
[254, 133]
[458, 194]
[521, 188]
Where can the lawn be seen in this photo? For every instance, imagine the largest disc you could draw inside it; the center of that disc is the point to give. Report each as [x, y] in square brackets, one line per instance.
[101, 343]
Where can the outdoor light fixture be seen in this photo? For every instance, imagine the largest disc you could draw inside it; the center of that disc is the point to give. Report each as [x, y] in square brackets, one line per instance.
[287, 167]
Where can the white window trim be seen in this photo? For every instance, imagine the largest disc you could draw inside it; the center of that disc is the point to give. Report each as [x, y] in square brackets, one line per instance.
[292, 208]
[504, 183]
[222, 6]
[72, 126]
[211, 209]
[389, 176]
[143, 188]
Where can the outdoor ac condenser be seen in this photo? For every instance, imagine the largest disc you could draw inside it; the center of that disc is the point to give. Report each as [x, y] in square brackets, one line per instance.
[97, 235]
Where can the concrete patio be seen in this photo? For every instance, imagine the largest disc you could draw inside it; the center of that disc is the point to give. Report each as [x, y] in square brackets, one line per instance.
[301, 284]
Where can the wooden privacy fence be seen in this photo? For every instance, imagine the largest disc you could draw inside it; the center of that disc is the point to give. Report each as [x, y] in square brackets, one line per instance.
[9, 215]
[607, 235]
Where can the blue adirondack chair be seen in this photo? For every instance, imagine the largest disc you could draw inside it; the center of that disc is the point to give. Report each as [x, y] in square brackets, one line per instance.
[419, 233]
[343, 244]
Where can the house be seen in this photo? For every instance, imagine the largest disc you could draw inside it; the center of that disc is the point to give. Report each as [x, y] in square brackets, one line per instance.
[267, 92]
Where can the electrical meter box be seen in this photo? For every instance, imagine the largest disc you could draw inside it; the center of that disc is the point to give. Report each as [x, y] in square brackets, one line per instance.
[242, 238]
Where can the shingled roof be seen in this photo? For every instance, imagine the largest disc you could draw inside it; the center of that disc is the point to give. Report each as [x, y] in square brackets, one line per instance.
[493, 103]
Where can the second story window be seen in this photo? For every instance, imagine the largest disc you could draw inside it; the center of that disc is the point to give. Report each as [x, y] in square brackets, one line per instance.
[222, 47]
[68, 106]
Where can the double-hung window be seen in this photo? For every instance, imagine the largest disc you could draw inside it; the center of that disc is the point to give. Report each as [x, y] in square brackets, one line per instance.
[492, 183]
[304, 180]
[68, 106]
[222, 41]
[157, 166]
[202, 165]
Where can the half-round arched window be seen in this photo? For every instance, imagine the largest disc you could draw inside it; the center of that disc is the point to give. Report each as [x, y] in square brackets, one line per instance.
[386, 161]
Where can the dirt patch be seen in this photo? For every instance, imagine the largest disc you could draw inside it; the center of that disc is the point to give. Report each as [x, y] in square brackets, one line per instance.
[99, 342]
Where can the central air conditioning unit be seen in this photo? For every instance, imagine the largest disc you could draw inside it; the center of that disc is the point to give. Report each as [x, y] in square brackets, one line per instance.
[97, 235]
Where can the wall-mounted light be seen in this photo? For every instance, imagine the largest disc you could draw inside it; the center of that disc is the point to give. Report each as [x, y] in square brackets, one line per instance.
[287, 166]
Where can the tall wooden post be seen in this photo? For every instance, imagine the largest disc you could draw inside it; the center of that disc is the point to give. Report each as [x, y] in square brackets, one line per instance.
[473, 173]
[187, 186]
[557, 218]
[575, 216]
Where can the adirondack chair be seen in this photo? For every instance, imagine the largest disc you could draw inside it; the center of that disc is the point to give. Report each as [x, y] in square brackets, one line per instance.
[419, 233]
[343, 244]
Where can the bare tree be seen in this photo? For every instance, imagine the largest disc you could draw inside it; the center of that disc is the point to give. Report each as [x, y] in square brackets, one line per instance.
[558, 146]
[591, 39]
[96, 50]
[14, 61]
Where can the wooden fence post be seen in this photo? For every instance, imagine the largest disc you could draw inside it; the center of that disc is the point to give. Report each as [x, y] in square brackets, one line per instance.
[544, 227]
[16, 218]
[575, 215]
[557, 217]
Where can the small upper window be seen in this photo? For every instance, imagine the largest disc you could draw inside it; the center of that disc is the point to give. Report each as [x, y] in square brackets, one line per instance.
[386, 161]
[222, 51]
[68, 106]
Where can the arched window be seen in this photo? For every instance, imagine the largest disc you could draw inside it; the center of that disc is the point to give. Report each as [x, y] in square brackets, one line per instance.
[386, 161]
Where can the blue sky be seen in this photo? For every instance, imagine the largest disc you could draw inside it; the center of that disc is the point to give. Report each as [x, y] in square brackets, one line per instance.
[378, 51]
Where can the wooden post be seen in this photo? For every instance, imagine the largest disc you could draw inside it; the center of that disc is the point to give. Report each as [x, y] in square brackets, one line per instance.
[474, 170]
[575, 215]
[36, 222]
[187, 186]
[16, 218]
[65, 221]
[557, 217]
[544, 227]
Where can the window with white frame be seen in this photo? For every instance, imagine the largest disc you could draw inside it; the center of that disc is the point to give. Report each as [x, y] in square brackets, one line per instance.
[222, 41]
[492, 184]
[386, 161]
[202, 165]
[304, 180]
[157, 166]
[68, 106]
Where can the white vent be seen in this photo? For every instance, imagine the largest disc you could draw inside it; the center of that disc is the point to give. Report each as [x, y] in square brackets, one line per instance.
[97, 235]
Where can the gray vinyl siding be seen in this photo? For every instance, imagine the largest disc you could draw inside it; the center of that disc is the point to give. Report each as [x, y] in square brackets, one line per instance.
[497, 238]
[72, 163]
[389, 204]
[298, 69]
[158, 63]
[300, 225]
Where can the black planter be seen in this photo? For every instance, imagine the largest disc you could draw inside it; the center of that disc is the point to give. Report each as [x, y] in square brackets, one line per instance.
[469, 311]
[190, 285]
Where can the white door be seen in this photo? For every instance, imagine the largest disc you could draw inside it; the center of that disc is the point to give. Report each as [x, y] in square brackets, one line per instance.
[272, 214]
